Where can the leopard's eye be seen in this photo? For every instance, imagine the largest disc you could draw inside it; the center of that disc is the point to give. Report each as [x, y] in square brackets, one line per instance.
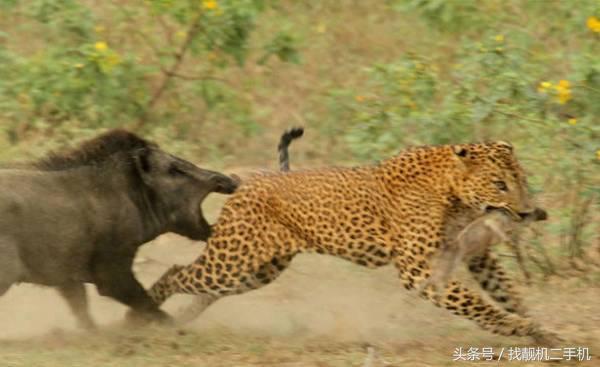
[501, 185]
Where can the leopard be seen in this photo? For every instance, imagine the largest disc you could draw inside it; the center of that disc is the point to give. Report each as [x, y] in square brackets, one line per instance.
[399, 211]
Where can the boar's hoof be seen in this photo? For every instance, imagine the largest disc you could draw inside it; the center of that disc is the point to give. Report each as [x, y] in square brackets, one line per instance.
[142, 318]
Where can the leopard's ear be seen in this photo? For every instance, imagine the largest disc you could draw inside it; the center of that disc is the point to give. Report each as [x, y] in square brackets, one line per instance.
[502, 143]
[460, 150]
[461, 156]
[502, 146]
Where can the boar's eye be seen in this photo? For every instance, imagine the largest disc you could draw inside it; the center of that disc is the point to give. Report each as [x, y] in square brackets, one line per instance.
[176, 171]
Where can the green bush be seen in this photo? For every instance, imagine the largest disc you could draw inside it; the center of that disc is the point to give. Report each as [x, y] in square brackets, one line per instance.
[87, 70]
[371, 78]
[501, 84]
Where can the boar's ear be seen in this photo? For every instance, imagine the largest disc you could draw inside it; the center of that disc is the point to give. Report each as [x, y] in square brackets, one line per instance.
[143, 167]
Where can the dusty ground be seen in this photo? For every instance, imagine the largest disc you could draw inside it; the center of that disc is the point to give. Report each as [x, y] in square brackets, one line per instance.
[321, 312]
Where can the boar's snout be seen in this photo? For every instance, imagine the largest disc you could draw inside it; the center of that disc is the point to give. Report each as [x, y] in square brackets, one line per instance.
[225, 184]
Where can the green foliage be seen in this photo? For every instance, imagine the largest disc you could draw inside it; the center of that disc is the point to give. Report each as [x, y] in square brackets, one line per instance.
[398, 93]
[86, 70]
[501, 83]
[283, 45]
[372, 77]
[496, 89]
[445, 15]
[82, 83]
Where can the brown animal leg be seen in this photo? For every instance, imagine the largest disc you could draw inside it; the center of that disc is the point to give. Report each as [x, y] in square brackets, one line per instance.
[443, 266]
[493, 279]
[11, 268]
[265, 274]
[167, 285]
[5, 285]
[114, 279]
[76, 297]
[4, 288]
[268, 272]
[195, 279]
[463, 302]
[196, 308]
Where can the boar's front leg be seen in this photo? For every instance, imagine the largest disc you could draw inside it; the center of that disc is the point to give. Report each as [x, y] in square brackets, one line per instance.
[75, 295]
[114, 278]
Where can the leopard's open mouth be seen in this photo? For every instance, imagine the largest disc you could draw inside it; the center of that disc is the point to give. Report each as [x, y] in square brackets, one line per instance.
[537, 214]
[518, 216]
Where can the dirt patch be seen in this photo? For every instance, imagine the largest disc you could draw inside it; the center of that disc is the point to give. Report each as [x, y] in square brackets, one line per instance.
[321, 312]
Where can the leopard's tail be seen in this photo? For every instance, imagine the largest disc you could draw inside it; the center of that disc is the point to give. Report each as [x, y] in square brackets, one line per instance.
[286, 139]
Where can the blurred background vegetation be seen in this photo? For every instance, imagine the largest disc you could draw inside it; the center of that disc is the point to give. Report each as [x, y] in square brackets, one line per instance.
[218, 80]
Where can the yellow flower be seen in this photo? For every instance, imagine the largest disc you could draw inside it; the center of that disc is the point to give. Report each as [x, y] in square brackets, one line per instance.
[180, 34]
[499, 38]
[544, 86]
[564, 83]
[598, 154]
[321, 28]
[359, 99]
[563, 91]
[572, 121]
[79, 65]
[593, 24]
[209, 4]
[564, 97]
[101, 46]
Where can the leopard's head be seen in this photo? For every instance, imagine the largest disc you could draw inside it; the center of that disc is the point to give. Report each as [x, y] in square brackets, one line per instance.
[490, 177]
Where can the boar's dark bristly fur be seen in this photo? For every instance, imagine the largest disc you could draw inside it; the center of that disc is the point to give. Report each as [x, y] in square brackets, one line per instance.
[95, 151]
[80, 216]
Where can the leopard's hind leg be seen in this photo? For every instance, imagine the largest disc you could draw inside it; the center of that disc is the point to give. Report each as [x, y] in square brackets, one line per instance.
[238, 258]
[265, 274]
